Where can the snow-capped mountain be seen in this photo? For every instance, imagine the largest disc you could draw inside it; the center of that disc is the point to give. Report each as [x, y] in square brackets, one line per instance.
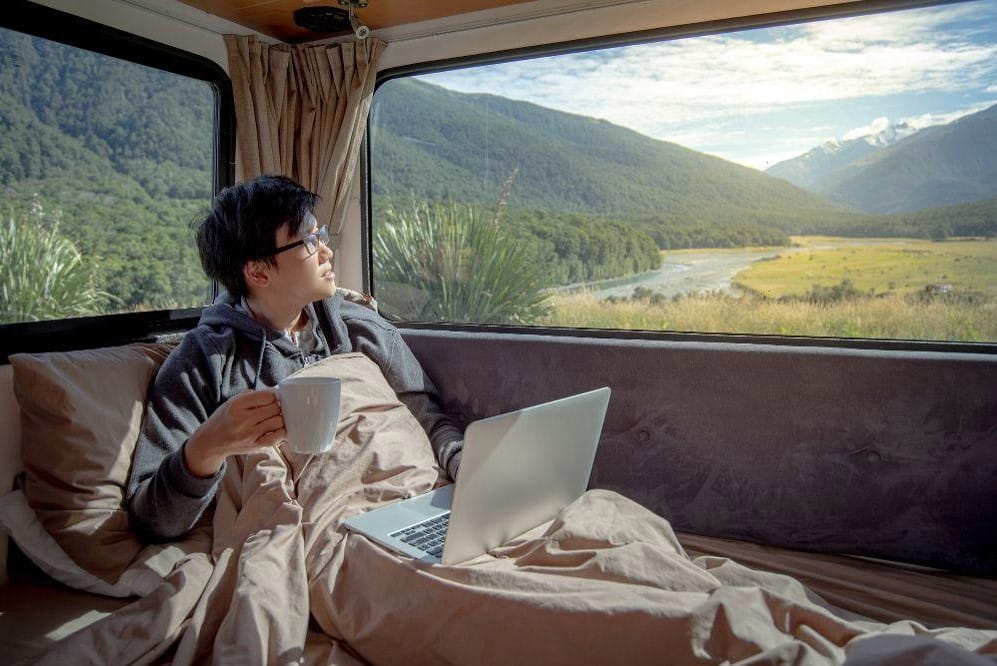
[888, 135]
[812, 169]
[901, 168]
[941, 165]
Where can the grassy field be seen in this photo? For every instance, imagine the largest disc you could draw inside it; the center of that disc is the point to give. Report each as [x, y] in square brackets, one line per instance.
[889, 300]
[876, 266]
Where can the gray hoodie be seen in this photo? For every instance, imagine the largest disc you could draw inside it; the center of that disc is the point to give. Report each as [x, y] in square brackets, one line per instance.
[229, 352]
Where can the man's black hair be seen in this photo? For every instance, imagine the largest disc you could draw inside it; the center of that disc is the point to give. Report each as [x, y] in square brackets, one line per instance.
[242, 226]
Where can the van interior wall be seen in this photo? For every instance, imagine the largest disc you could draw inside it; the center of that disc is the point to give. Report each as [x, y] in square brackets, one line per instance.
[883, 454]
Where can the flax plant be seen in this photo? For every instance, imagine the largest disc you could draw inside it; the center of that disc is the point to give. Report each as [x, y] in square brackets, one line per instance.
[42, 274]
[450, 262]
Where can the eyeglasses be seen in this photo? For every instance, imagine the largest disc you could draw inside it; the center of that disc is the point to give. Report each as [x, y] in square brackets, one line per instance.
[311, 241]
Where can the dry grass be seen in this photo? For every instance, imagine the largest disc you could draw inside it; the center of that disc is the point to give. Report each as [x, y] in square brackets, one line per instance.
[890, 316]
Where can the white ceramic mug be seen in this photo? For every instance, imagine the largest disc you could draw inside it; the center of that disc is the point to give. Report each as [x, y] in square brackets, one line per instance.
[311, 412]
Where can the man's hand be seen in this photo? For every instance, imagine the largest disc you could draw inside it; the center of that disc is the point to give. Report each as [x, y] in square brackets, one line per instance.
[247, 422]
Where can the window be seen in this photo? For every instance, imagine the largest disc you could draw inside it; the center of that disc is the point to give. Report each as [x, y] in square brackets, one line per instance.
[828, 178]
[104, 163]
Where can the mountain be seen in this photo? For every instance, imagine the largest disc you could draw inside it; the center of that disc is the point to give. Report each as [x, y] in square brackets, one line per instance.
[119, 154]
[69, 109]
[938, 166]
[429, 142]
[818, 165]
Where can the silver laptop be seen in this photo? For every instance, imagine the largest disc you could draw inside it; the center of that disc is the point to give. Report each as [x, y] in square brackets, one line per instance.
[518, 470]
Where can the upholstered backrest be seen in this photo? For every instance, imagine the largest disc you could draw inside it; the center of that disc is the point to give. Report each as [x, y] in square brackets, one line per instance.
[884, 454]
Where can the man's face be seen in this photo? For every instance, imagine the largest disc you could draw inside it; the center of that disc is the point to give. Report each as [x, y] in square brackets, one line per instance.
[301, 278]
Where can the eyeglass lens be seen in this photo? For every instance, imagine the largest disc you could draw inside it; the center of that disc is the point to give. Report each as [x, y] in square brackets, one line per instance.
[312, 240]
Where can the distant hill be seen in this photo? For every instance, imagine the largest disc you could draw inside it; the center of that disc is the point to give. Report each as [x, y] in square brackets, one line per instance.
[938, 166]
[434, 143]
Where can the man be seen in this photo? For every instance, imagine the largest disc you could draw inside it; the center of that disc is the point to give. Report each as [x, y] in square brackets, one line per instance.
[282, 311]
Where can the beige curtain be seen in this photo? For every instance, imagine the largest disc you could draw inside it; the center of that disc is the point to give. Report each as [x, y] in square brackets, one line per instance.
[301, 111]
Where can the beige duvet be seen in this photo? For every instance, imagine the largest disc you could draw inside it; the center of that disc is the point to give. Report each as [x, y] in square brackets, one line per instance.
[606, 582]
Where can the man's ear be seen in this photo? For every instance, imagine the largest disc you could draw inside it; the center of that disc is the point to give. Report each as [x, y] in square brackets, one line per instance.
[256, 273]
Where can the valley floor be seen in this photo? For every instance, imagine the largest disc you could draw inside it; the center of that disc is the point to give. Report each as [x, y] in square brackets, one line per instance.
[821, 286]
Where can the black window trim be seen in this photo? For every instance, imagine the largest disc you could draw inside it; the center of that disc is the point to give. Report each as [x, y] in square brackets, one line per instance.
[642, 37]
[104, 330]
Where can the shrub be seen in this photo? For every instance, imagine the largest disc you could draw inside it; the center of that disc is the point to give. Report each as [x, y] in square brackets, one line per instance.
[821, 295]
[449, 262]
[42, 274]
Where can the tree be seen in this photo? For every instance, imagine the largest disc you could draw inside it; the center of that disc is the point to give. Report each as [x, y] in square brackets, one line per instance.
[42, 274]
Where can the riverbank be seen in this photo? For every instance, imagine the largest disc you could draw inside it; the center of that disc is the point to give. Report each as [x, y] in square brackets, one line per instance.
[875, 265]
[821, 286]
[682, 273]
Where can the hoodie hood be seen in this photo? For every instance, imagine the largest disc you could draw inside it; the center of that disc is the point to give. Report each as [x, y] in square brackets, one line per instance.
[225, 312]
[273, 349]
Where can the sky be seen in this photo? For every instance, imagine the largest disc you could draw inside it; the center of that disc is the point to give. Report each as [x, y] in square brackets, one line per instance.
[761, 96]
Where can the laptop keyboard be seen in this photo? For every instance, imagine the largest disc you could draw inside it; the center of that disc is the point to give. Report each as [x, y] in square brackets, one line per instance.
[428, 535]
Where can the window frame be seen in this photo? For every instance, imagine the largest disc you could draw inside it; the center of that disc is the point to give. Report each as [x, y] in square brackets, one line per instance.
[102, 330]
[776, 19]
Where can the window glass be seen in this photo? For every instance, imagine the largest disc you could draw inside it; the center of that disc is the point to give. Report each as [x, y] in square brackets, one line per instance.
[828, 178]
[103, 164]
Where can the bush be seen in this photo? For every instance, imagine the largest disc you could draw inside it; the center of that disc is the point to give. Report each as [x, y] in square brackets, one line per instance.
[448, 262]
[821, 295]
[42, 274]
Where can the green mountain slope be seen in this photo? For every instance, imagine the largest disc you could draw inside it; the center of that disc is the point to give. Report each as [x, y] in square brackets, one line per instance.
[978, 218]
[433, 143]
[119, 153]
[115, 109]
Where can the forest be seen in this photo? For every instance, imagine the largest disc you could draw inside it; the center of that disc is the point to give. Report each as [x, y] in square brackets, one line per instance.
[118, 159]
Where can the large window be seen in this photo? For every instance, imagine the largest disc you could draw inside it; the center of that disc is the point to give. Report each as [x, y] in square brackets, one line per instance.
[829, 178]
[103, 165]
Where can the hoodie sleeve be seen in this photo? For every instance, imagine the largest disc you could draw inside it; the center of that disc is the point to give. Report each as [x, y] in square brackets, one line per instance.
[164, 498]
[381, 342]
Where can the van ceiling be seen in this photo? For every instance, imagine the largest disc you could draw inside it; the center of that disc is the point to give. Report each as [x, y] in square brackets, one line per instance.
[276, 17]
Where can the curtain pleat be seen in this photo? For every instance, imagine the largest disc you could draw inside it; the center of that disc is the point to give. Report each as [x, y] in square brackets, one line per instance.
[301, 111]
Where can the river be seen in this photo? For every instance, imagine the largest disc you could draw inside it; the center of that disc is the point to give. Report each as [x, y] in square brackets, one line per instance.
[682, 273]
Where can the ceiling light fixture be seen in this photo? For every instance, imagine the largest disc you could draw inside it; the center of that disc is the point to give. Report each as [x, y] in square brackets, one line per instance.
[359, 29]
[323, 19]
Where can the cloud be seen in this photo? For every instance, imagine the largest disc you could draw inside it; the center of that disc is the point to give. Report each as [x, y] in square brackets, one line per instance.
[875, 127]
[917, 122]
[928, 119]
[680, 87]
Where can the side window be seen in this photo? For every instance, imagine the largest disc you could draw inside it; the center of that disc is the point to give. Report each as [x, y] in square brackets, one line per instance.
[103, 165]
[832, 178]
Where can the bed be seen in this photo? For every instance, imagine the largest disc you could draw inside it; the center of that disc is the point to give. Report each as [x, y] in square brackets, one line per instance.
[271, 576]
